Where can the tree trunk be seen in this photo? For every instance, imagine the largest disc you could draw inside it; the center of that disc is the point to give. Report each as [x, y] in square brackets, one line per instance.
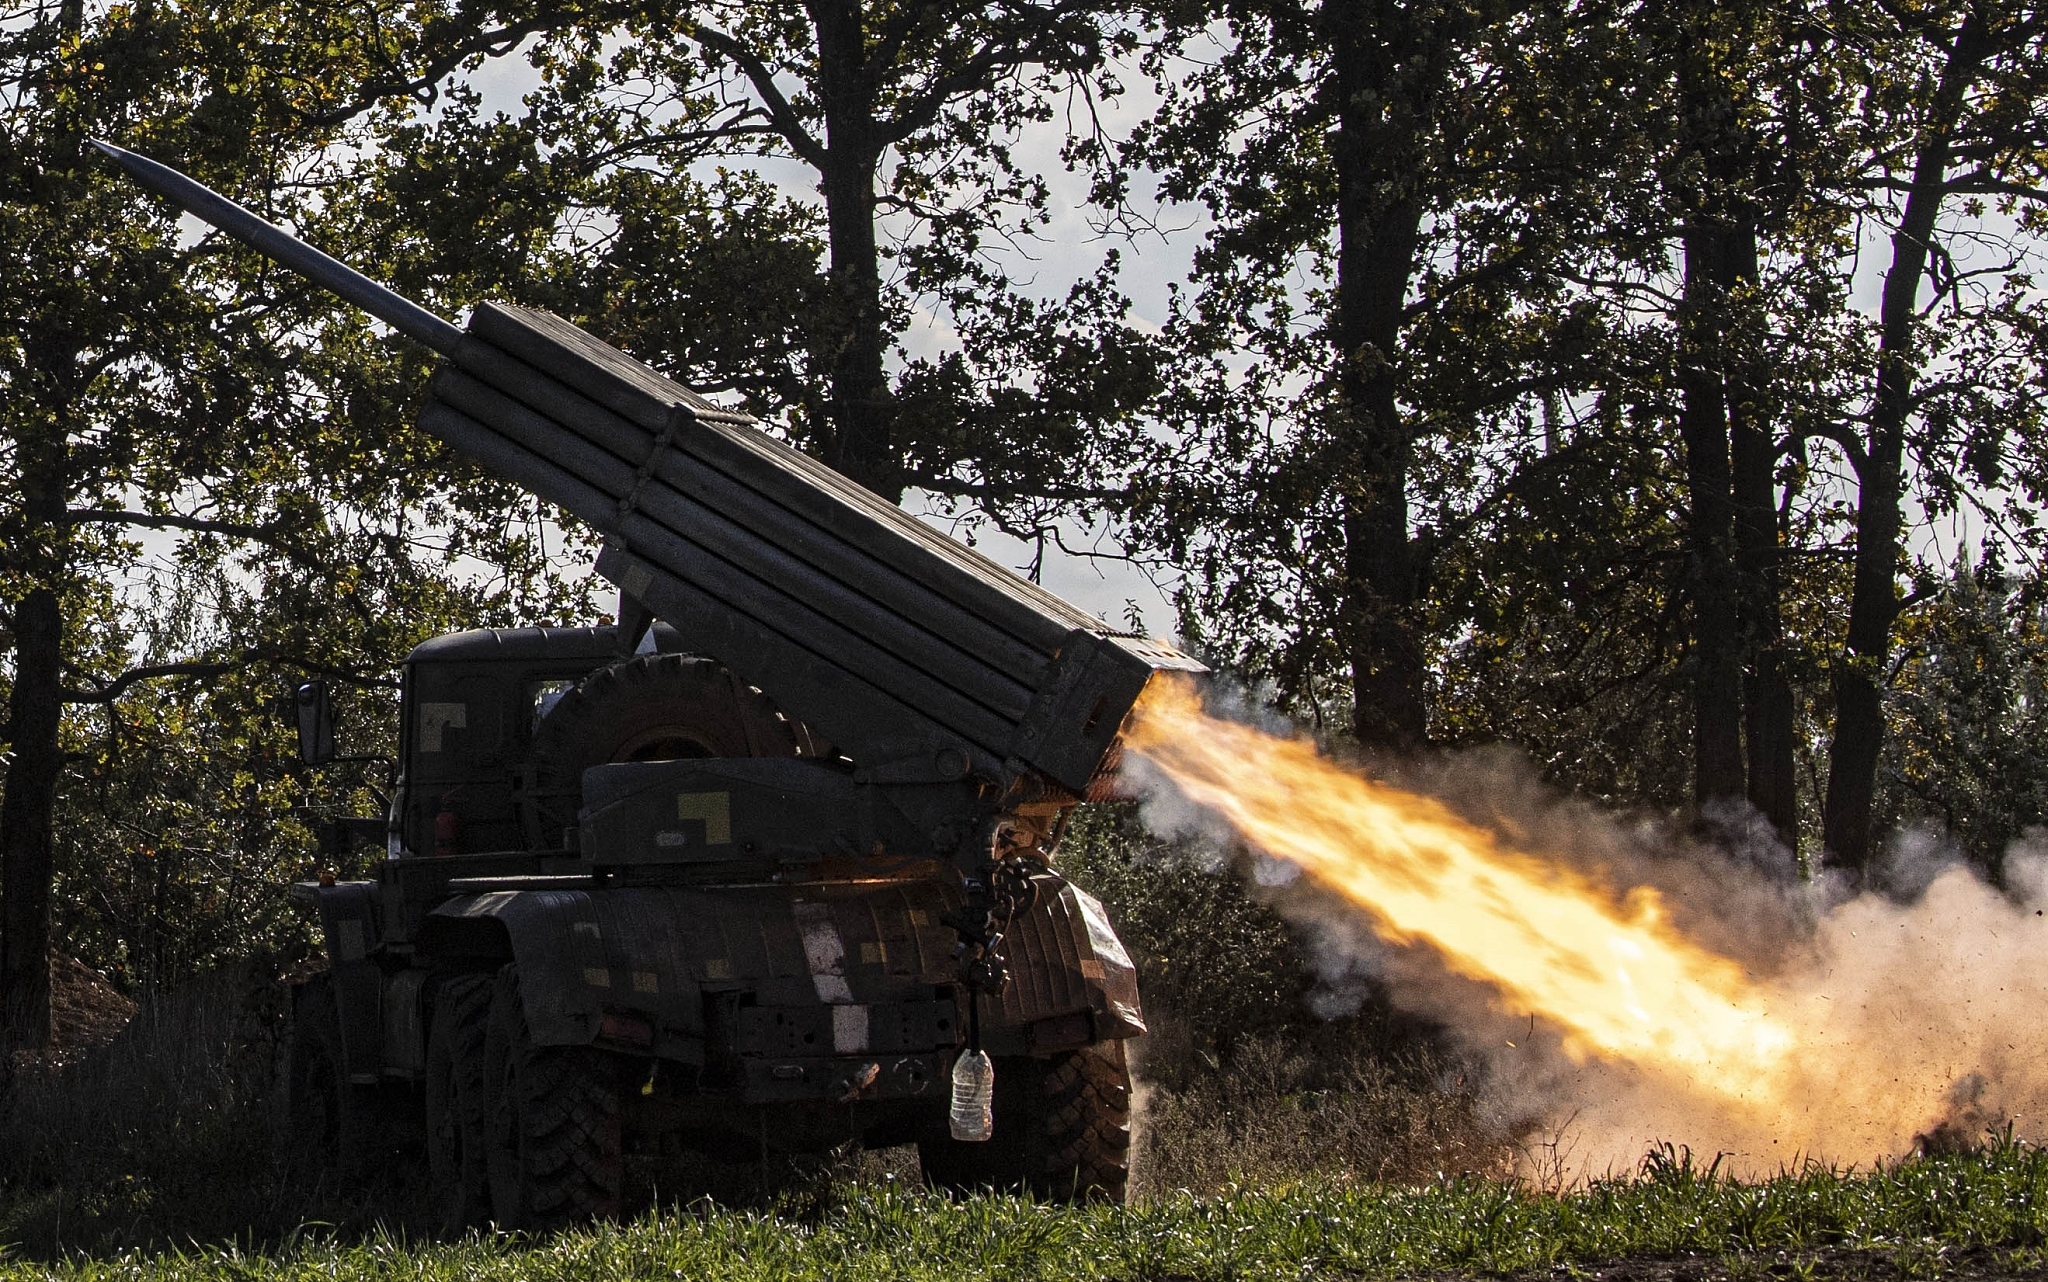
[1873, 603]
[1768, 708]
[1767, 704]
[27, 839]
[37, 550]
[1379, 218]
[1742, 701]
[1716, 658]
[861, 444]
[35, 708]
[1382, 587]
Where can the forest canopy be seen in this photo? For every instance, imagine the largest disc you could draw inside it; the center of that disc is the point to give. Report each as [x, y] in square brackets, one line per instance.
[1654, 389]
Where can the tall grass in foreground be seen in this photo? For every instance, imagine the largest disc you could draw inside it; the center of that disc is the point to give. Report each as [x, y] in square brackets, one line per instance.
[173, 1132]
[1995, 1199]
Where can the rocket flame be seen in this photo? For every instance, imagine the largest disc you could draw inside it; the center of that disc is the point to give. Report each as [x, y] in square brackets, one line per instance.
[1850, 1052]
[1612, 973]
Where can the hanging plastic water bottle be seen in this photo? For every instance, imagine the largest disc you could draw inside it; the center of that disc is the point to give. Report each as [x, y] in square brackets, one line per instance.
[974, 1091]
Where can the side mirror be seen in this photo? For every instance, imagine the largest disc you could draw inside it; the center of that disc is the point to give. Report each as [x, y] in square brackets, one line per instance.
[316, 723]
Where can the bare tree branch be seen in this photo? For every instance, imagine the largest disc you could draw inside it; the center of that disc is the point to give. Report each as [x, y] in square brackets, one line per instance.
[111, 690]
[107, 691]
[268, 536]
[170, 521]
[762, 76]
[940, 483]
[421, 87]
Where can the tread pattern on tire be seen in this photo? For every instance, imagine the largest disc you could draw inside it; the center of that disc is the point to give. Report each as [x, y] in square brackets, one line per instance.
[697, 699]
[457, 1101]
[556, 1151]
[1083, 1136]
[619, 712]
[1063, 1130]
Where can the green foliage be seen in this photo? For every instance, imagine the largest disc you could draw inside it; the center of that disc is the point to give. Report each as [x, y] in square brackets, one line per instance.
[1214, 965]
[1480, 187]
[1969, 711]
[1532, 341]
[637, 189]
[211, 464]
[1572, 590]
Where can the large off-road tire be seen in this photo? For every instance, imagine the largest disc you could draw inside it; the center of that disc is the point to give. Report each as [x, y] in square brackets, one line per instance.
[334, 1121]
[1062, 1130]
[554, 1148]
[659, 707]
[458, 1103]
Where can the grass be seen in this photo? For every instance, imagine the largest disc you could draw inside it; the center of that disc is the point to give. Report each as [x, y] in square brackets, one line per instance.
[1926, 1209]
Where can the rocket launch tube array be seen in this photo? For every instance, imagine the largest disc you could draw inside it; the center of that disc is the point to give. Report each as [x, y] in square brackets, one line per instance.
[919, 658]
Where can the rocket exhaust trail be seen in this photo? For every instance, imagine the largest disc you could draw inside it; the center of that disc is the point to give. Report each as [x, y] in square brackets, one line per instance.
[1885, 1020]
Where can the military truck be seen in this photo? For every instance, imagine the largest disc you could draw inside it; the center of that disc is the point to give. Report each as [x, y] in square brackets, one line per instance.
[748, 872]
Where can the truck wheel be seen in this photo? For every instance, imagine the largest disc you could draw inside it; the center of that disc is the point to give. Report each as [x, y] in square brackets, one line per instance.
[659, 707]
[457, 1104]
[333, 1119]
[554, 1148]
[1062, 1130]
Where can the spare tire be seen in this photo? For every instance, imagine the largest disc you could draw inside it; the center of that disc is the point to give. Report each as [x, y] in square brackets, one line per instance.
[658, 707]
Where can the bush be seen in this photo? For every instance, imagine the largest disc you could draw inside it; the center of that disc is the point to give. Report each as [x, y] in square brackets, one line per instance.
[174, 1130]
[1238, 1079]
[1214, 963]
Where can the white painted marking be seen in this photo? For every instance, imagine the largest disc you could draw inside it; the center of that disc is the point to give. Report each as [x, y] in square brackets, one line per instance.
[488, 904]
[825, 953]
[1100, 936]
[849, 1029]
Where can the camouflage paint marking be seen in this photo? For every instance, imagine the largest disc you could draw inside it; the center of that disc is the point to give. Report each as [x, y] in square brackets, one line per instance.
[826, 954]
[714, 808]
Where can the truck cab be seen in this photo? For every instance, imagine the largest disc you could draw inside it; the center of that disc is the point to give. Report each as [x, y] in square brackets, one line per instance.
[472, 701]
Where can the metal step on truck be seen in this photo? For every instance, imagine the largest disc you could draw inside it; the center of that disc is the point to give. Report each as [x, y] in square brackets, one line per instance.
[767, 867]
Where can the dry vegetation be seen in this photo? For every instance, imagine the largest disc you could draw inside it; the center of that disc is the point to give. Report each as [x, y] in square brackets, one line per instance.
[162, 1121]
[1239, 1081]
[1278, 1111]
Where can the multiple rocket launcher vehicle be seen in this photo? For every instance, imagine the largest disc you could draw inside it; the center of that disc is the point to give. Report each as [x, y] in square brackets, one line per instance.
[745, 872]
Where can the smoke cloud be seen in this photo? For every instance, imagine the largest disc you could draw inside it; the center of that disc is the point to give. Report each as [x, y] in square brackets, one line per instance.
[1913, 1017]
